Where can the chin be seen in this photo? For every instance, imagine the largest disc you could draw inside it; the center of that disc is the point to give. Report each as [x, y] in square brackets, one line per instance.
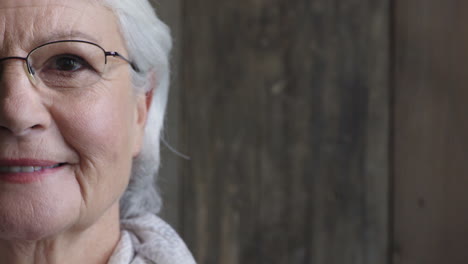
[39, 228]
[33, 225]
[31, 214]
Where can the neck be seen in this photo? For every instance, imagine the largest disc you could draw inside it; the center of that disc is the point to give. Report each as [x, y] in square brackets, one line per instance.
[93, 245]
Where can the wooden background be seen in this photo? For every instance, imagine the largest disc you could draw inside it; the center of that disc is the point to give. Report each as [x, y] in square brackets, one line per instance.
[431, 132]
[324, 132]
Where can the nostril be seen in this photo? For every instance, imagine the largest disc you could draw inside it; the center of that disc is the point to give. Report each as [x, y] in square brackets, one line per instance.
[21, 132]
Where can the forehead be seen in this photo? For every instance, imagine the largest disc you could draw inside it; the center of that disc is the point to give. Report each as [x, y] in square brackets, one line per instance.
[26, 23]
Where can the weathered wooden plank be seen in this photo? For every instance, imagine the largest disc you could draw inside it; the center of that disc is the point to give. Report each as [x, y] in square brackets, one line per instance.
[285, 116]
[431, 145]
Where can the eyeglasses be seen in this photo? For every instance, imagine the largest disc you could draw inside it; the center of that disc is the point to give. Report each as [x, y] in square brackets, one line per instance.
[68, 63]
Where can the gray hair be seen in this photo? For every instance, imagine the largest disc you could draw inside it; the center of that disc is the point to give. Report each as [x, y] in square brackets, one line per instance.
[148, 43]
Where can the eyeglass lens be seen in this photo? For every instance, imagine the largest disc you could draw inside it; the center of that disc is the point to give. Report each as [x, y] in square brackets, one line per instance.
[67, 64]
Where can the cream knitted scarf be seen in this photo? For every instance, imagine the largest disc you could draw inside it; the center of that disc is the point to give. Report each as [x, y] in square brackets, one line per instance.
[148, 239]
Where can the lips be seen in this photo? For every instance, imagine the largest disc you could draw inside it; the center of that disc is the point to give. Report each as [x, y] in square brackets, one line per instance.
[27, 170]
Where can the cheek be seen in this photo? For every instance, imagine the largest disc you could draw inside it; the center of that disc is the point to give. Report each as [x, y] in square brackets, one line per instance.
[98, 129]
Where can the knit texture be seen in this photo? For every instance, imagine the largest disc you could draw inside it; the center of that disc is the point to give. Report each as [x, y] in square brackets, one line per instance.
[148, 239]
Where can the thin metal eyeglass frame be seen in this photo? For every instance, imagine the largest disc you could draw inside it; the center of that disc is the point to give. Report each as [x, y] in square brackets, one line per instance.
[106, 53]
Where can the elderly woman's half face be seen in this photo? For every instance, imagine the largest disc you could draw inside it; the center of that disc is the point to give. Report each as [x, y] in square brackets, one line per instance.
[67, 135]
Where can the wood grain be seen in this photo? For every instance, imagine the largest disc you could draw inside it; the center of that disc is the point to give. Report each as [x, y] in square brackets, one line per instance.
[431, 145]
[285, 113]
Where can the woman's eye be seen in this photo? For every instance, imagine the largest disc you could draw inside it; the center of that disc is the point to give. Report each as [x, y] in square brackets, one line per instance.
[67, 63]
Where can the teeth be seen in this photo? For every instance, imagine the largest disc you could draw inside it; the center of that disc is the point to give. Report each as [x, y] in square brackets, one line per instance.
[27, 169]
[17, 169]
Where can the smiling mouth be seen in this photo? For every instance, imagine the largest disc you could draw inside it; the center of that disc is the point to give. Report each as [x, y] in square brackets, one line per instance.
[26, 169]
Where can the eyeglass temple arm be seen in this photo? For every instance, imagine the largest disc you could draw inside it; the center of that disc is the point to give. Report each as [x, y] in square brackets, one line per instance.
[116, 54]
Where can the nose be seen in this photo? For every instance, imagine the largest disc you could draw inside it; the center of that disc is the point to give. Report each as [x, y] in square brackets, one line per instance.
[22, 111]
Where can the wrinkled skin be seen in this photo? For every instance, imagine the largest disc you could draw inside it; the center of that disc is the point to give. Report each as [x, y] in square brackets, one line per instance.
[71, 215]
